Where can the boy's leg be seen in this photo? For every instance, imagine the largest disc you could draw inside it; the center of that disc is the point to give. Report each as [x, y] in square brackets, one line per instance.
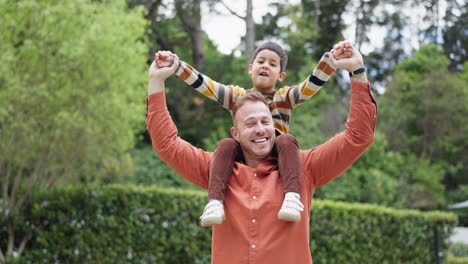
[289, 163]
[227, 151]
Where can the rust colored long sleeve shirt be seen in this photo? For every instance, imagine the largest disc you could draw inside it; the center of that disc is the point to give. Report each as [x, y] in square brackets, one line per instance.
[252, 233]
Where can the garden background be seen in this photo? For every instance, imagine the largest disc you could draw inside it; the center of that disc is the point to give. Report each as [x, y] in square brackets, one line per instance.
[73, 81]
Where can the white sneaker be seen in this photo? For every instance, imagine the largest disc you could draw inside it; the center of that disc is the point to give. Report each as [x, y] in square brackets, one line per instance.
[213, 214]
[291, 208]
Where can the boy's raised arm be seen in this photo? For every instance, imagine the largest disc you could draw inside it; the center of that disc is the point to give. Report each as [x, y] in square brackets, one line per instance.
[226, 95]
[319, 76]
[333, 157]
[309, 87]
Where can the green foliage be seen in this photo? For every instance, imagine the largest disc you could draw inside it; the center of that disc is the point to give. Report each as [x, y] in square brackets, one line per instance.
[119, 224]
[425, 60]
[425, 109]
[395, 179]
[163, 30]
[69, 84]
[454, 34]
[309, 120]
[457, 196]
[359, 233]
[125, 224]
[148, 169]
[459, 249]
[296, 35]
[70, 74]
[456, 260]
[330, 24]
[464, 73]
[421, 185]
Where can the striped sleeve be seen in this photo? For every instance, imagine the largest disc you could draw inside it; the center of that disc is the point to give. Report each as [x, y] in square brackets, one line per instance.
[281, 109]
[308, 88]
[226, 95]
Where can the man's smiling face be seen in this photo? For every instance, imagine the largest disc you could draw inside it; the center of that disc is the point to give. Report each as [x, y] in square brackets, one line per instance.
[254, 130]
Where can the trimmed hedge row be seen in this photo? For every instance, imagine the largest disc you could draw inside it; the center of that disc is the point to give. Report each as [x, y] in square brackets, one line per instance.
[128, 224]
[364, 233]
[457, 260]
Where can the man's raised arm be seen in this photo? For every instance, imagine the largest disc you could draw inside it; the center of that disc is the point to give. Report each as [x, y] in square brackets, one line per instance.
[332, 158]
[189, 162]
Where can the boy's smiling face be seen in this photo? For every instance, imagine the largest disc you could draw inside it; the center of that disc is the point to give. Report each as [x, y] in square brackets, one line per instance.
[266, 71]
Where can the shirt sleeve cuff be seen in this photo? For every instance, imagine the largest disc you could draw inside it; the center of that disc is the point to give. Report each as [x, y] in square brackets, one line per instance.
[155, 102]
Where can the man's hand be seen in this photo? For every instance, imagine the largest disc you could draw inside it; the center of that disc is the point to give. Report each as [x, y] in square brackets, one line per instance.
[342, 50]
[157, 75]
[164, 58]
[160, 69]
[350, 58]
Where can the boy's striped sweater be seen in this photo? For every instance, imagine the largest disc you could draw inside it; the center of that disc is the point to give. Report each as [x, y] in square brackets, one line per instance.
[281, 101]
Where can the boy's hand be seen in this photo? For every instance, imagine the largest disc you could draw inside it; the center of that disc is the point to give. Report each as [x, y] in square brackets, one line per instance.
[164, 59]
[342, 50]
[163, 66]
[350, 63]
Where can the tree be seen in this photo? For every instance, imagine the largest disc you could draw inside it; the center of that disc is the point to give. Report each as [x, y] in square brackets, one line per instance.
[430, 33]
[249, 39]
[365, 18]
[250, 26]
[388, 178]
[425, 108]
[455, 35]
[155, 28]
[330, 23]
[189, 109]
[189, 14]
[71, 94]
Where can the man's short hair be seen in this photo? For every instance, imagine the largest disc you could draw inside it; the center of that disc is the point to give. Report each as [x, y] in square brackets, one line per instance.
[276, 49]
[249, 97]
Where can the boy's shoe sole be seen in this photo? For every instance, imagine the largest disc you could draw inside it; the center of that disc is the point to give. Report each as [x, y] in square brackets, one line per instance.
[212, 220]
[287, 215]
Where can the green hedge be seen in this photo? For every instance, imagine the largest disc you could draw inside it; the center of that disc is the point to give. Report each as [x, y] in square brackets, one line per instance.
[459, 249]
[457, 260]
[364, 233]
[128, 224]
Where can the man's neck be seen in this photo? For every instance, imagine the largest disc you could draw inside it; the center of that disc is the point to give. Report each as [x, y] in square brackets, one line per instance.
[254, 162]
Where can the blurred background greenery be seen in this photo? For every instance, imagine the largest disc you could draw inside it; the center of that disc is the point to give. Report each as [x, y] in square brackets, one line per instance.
[73, 77]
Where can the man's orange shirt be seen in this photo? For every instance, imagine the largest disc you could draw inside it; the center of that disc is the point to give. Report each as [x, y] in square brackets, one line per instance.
[252, 233]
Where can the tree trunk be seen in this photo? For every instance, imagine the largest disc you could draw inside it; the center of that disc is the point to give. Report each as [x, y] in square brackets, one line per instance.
[316, 21]
[191, 20]
[360, 25]
[153, 8]
[249, 39]
[250, 29]
[11, 240]
[197, 47]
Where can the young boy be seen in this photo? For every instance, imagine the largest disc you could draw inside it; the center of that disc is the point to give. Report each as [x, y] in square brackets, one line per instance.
[267, 66]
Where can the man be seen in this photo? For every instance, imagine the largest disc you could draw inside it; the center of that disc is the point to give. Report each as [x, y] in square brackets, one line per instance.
[251, 232]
